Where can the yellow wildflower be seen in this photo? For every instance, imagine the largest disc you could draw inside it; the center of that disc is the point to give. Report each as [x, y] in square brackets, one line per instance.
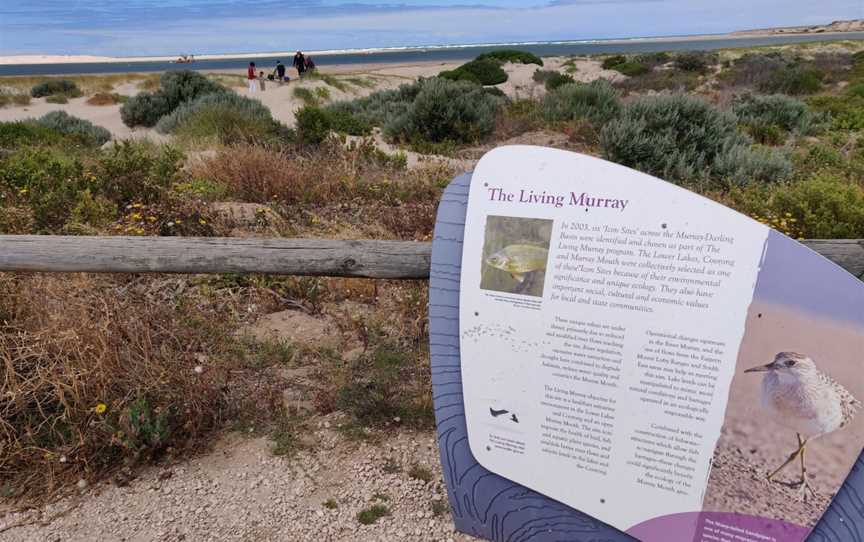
[202, 221]
[100, 408]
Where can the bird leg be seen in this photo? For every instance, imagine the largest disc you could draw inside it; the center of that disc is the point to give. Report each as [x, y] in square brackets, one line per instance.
[792, 458]
[805, 484]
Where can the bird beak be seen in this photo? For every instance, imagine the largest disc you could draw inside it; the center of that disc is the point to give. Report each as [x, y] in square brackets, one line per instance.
[761, 368]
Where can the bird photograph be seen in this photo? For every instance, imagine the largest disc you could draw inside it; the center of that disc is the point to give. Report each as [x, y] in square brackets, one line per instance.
[800, 397]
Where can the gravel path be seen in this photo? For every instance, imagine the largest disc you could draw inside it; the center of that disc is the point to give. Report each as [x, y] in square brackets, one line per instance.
[241, 491]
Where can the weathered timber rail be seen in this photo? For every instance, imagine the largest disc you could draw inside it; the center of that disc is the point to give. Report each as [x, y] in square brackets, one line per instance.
[310, 257]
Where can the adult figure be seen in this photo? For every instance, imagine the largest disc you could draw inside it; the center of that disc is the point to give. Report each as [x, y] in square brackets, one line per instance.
[310, 64]
[300, 63]
[252, 77]
[280, 70]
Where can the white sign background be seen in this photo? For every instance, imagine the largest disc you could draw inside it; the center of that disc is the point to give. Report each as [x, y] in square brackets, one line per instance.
[508, 375]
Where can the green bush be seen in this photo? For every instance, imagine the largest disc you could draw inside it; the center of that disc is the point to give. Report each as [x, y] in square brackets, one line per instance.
[137, 171]
[794, 80]
[775, 110]
[695, 61]
[313, 125]
[512, 55]
[57, 99]
[846, 112]
[145, 109]
[26, 133]
[55, 86]
[652, 59]
[660, 80]
[66, 124]
[223, 117]
[856, 90]
[821, 207]
[552, 79]
[95, 211]
[684, 139]
[611, 61]
[596, 101]
[445, 110]
[186, 85]
[631, 69]
[481, 71]
[176, 88]
[45, 180]
[381, 107]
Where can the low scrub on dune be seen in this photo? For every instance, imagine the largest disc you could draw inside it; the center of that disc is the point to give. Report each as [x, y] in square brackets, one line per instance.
[175, 88]
[695, 61]
[358, 173]
[66, 124]
[596, 102]
[686, 140]
[430, 110]
[823, 206]
[512, 55]
[552, 79]
[769, 118]
[50, 183]
[13, 98]
[776, 72]
[480, 71]
[224, 118]
[446, 111]
[314, 124]
[55, 87]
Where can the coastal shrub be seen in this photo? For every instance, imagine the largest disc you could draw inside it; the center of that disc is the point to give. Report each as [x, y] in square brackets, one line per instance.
[552, 79]
[445, 110]
[186, 85]
[145, 109]
[13, 98]
[823, 206]
[106, 98]
[794, 80]
[846, 112]
[481, 71]
[512, 55]
[660, 80]
[25, 133]
[685, 139]
[57, 99]
[778, 110]
[751, 70]
[652, 59]
[223, 117]
[137, 171]
[45, 180]
[596, 101]
[313, 125]
[175, 88]
[382, 106]
[695, 61]
[855, 90]
[631, 68]
[741, 165]
[611, 61]
[54, 87]
[64, 123]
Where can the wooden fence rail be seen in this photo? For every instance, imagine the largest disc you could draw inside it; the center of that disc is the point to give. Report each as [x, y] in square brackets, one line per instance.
[311, 257]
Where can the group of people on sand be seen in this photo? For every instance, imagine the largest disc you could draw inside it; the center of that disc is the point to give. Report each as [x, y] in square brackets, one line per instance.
[302, 63]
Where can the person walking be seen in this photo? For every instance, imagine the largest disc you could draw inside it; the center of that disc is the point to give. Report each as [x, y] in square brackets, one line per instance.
[300, 63]
[252, 77]
[310, 64]
[280, 70]
[262, 80]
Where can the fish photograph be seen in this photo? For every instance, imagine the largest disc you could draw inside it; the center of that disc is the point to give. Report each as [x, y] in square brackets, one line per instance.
[515, 252]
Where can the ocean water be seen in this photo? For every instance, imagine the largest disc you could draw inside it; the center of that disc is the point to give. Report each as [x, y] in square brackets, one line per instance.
[441, 53]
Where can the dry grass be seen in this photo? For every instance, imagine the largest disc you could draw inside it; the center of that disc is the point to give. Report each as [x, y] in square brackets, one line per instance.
[89, 84]
[104, 98]
[98, 372]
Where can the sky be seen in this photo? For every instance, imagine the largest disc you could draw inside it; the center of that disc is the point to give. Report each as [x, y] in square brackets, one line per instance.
[171, 27]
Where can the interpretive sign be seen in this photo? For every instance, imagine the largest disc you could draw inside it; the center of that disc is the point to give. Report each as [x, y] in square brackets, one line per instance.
[639, 353]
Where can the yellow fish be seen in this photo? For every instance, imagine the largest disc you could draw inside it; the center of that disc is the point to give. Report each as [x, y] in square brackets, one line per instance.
[518, 260]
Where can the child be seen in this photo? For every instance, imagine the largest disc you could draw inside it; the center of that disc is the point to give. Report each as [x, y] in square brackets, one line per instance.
[261, 80]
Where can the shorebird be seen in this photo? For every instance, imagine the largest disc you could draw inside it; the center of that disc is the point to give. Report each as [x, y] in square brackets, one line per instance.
[799, 396]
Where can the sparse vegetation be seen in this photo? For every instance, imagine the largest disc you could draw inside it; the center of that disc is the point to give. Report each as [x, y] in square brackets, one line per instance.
[480, 71]
[56, 87]
[372, 514]
[596, 101]
[420, 472]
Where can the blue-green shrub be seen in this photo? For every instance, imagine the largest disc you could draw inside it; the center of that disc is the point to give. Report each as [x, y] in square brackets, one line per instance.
[66, 124]
[596, 101]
